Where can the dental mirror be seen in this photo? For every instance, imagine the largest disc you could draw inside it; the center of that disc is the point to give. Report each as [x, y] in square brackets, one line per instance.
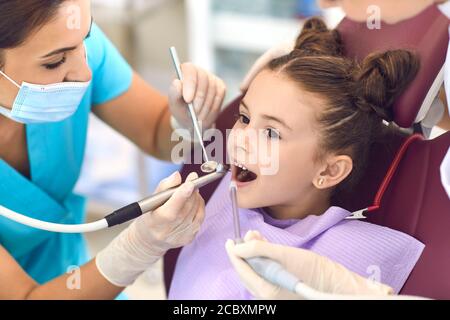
[209, 166]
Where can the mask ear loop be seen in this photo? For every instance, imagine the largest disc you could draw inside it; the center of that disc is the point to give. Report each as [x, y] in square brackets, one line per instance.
[11, 80]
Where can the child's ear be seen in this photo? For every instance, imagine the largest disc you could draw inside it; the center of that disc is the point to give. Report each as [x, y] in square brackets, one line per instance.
[335, 170]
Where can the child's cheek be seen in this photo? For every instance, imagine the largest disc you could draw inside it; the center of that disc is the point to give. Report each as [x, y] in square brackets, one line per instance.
[269, 159]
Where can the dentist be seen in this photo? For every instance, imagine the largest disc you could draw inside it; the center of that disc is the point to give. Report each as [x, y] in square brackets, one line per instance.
[56, 67]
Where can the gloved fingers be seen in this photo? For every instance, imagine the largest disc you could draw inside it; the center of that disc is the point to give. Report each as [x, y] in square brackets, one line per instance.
[204, 86]
[203, 89]
[177, 105]
[169, 182]
[254, 235]
[258, 248]
[172, 211]
[208, 100]
[209, 117]
[192, 176]
[187, 230]
[211, 107]
[220, 95]
[190, 81]
[290, 257]
[189, 210]
[305, 264]
[199, 216]
[176, 92]
[174, 208]
[256, 285]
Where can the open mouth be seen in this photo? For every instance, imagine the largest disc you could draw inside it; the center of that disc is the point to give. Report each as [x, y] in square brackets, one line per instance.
[242, 174]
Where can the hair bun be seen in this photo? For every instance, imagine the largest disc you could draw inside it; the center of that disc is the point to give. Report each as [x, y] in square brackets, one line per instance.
[315, 24]
[317, 39]
[382, 78]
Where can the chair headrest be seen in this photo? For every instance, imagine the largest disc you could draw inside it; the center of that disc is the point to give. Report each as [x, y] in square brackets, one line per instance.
[427, 35]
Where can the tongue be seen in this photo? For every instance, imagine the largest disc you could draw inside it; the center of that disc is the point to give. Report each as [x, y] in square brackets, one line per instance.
[246, 176]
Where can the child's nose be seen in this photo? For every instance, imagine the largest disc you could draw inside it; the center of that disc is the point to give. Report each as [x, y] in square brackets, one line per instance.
[245, 138]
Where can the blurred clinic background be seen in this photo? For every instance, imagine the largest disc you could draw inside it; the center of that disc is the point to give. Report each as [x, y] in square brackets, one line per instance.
[223, 36]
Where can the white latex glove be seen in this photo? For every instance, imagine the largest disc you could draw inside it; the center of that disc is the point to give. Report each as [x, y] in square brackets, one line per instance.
[204, 90]
[273, 53]
[147, 239]
[317, 272]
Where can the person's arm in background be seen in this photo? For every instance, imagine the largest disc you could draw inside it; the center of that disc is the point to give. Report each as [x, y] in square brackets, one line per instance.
[144, 242]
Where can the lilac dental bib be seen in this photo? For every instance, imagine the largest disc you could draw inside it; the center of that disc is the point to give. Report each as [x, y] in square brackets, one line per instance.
[203, 270]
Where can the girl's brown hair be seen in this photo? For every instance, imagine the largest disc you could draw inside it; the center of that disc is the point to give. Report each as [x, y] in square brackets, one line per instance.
[20, 18]
[357, 96]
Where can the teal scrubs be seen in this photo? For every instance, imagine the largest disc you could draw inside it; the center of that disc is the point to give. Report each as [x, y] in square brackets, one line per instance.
[56, 152]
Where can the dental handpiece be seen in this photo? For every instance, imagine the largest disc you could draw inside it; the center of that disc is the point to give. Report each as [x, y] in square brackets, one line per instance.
[122, 215]
[153, 202]
[198, 132]
[268, 269]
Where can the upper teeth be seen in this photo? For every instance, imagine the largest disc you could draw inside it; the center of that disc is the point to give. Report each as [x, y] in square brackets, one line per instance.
[240, 165]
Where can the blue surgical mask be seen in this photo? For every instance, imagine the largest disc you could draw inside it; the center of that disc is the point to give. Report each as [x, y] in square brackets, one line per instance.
[45, 103]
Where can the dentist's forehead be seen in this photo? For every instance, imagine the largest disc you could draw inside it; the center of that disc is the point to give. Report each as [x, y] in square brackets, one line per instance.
[68, 28]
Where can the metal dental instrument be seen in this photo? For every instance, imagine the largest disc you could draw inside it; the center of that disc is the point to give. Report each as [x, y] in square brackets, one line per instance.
[120, 216]
[236, 221]
[208, 166]
[268, 269]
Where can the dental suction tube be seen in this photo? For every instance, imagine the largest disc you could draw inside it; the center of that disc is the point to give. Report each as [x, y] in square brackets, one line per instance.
[120, 216]
[52, 227]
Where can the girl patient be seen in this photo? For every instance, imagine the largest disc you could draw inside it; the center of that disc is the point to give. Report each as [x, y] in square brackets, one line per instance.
[321, 111]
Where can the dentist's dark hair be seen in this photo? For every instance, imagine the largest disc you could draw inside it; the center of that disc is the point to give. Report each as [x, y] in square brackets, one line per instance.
[357, 96]
[20, 18]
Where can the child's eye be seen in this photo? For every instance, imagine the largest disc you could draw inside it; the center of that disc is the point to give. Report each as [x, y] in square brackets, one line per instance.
[55, 65]
[273, 134]
[244, 119]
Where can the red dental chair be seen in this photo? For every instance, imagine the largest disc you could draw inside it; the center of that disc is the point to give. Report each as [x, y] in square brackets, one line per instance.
[414, 200]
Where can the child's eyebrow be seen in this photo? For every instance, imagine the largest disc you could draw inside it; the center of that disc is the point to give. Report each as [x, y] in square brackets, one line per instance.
[280, 121]
[269, 117]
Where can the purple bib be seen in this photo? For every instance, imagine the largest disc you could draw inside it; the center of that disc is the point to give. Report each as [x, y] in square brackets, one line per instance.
[203, 270]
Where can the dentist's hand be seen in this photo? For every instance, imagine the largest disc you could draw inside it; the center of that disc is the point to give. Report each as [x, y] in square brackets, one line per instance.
[273, 53]
[147, 239]
[203, 89]
[317, 272]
